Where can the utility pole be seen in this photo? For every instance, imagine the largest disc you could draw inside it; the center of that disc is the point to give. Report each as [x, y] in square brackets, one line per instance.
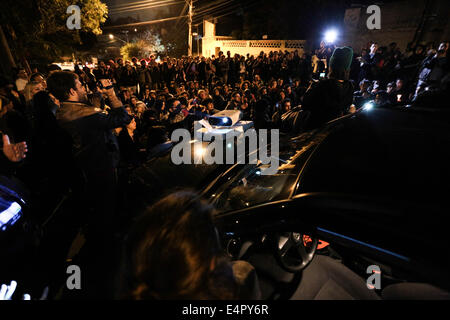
[190, 28]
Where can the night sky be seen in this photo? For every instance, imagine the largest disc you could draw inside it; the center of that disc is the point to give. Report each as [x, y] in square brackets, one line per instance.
[249, 19]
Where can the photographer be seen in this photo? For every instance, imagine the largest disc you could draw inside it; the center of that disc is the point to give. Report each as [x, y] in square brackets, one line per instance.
[96, 151]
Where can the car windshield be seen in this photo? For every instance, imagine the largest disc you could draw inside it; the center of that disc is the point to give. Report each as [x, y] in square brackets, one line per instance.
[248, 187]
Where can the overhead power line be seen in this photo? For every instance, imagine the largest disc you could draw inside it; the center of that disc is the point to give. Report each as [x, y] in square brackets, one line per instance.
[225, 12]
[132, 4]
[216, 6]
[144, 7]
[143, 23]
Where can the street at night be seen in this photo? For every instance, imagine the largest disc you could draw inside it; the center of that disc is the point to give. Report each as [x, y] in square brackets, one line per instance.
[224, 150]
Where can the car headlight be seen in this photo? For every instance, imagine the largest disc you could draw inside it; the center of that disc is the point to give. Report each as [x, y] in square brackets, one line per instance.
[368, 105]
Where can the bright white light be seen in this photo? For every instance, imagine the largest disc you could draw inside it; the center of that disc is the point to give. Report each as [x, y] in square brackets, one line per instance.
[10, 215]
[224, 120]
[200, 151]
[331, 36]
[368, 106]
[229, 145]
[6, 292]
[111, 36]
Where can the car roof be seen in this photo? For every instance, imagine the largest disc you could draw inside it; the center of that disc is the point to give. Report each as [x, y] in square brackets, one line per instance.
[384, 152]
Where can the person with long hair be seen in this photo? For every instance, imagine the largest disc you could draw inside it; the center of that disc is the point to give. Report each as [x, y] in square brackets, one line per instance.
[174, 253]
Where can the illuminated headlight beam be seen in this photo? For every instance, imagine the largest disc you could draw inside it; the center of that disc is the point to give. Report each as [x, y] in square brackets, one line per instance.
[368, 106]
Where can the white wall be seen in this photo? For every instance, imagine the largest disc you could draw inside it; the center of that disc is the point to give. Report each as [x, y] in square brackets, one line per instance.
[212, 44]
[253, 47]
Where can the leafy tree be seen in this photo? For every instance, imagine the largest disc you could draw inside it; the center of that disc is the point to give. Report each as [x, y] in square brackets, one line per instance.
[142, 45]
[152, 40]
[37, 28]
[136, 49]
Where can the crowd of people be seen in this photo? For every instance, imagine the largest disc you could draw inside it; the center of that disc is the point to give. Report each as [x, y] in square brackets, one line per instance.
[86, 130]
[269, 85]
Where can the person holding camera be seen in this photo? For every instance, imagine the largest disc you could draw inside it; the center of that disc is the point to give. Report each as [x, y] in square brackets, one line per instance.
[96, 152]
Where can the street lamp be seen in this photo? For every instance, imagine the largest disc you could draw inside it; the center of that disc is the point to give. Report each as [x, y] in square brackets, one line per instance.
[112, 38]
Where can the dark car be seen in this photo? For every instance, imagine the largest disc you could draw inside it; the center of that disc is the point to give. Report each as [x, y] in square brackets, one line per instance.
[372, 185]
[362, 196]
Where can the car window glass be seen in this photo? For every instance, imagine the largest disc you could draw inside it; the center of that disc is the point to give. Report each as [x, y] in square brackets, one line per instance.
[249, 187]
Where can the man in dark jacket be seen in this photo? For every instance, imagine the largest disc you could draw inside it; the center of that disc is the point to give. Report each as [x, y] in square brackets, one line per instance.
[144, 77]
[129, 78]
[331, 98]
[96, 151]
[90, 128]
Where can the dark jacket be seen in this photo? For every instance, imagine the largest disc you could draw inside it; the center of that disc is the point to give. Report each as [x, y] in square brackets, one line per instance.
[144, 76]
[326, 100]
[102, 73]
[219, 102]
[129, 149]
[129, 78]
[262, 116]
[94, 145]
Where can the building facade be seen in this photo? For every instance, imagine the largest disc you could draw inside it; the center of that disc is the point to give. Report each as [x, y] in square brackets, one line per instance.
[213, 44]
